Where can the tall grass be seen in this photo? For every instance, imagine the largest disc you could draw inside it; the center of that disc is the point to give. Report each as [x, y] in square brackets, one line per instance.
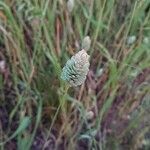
[37, 38]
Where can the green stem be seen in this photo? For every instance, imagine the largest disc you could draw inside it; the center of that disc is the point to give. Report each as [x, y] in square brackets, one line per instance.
[63, 101]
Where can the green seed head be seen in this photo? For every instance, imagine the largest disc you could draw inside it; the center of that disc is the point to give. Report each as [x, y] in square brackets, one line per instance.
[76, 69]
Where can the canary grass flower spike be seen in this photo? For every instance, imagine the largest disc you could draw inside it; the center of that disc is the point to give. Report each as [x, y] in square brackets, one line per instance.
[76, 68]
[86, 43]
[70, 5]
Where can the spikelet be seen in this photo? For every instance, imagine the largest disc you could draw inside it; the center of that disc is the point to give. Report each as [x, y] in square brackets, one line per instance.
[146, 40]
[86, 43]
[76, 68]
[70, 5]
[131, 39]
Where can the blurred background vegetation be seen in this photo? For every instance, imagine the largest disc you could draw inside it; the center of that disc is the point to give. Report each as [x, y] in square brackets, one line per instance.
[110, 111]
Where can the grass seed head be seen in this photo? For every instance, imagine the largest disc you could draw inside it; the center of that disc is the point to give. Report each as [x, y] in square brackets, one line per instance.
[70, 5]
[86, 43]
[76, 68]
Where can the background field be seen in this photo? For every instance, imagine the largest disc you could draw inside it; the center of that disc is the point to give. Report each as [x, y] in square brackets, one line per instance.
[110, 111]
